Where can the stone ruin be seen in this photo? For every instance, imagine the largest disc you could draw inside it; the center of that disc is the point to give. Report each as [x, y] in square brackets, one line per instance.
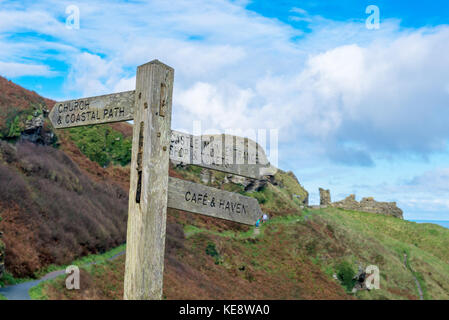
[325, 197]
[367, 204]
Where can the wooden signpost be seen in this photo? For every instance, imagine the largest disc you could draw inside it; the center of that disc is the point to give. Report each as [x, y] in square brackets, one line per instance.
[151, 189]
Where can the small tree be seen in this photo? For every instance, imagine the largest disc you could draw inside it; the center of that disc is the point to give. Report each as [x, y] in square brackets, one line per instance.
[14, 128]
[345, 274]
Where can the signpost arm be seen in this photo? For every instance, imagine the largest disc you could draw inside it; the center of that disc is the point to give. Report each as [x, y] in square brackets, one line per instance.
[149, 182]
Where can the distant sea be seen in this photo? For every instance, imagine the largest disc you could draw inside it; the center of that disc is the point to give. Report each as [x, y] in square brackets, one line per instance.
[443, 223]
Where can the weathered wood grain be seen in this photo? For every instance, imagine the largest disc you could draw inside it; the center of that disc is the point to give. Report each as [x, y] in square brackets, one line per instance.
[149, 182]
[197, 198]
[226, 153]
[94, 110]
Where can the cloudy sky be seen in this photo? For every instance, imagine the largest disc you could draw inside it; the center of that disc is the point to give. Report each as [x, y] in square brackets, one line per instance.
[359, 109]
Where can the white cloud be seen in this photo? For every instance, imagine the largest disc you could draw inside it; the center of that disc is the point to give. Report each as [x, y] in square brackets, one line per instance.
[361, 92]
[340, 92]
[387, 96]
[93, 75]
[18, 19]
[14, 69]
[206, 101]
[298, 10]
[125, 84]
[435, 181]
[192, 60]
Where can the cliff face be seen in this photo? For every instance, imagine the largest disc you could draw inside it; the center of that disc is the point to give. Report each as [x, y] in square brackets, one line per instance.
[283, 180]
[369, 205]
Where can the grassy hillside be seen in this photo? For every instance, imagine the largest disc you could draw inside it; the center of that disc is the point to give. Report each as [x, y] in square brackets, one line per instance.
[296, 255]
[280, 196]
[382, 240]
[208, 263]
[293, 257]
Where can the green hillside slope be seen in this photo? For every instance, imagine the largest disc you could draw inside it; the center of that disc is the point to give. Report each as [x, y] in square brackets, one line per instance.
[298, 254]
[373, 239]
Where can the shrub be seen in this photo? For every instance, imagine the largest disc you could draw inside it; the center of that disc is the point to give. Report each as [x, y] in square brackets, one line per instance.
[14, 128]
[211, 250]
[102, 144]
[345, 274]
[261, 196]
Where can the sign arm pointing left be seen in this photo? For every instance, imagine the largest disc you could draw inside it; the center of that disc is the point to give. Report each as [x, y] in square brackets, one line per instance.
[94, 110]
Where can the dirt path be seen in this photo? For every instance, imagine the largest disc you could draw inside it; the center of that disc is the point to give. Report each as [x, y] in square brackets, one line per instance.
[421, 297]
[21, 291]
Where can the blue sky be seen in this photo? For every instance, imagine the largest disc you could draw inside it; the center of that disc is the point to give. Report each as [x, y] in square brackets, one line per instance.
[358, 110]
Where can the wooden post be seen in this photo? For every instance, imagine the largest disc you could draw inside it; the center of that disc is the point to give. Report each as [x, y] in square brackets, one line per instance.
[149, 182]
[151, 190]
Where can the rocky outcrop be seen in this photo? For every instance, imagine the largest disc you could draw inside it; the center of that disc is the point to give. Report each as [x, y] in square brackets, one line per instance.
[35, 130]
[325, 197]
[369, 205]
[250, 185]
[282, 180]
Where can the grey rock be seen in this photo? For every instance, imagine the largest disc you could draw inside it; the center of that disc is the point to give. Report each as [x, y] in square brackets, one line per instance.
[36, 133]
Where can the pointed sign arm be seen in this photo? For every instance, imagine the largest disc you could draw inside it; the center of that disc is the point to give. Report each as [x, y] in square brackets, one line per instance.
[93, 110]
[197, 198]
